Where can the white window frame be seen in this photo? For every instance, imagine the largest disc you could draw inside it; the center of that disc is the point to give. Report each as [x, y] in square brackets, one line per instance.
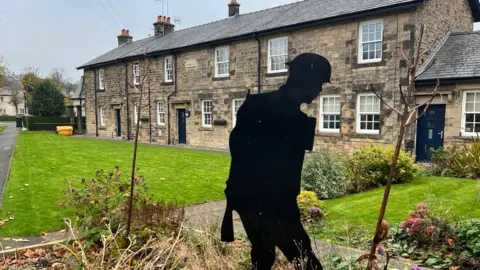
[135, 114]
[271, 56]
[234, 113]
[168, 59]
[101, 79]
[464, 112]
[160, 113]
[361, 43]
[358, 115]
[207, 113]
[136, 77]
[102, 116]
[225, 49]
[321, 128]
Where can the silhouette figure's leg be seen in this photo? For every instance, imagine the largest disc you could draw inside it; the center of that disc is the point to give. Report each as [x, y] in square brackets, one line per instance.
[263, 250]
[296, 246]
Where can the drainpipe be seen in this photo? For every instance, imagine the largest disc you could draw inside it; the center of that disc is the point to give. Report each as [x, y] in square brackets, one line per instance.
[175, 82]
[129, 128]
[259, 68]
[150, 112]
[96, 104]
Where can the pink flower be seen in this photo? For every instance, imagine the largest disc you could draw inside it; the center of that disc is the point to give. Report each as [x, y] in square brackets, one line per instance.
[432, 229]
[414, 214]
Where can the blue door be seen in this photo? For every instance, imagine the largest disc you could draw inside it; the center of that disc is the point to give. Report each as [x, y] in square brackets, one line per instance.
[182, 127]
[430, 131]
[119, 123]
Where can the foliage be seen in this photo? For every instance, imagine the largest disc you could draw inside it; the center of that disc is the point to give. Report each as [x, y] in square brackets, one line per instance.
[3, 71]
[16, 98]
[436, 241]
[46, 100]
[7, 118]
[307, 203]
[37, 123]
[369, 167]
[338, 262]
[460, 160]
[30, 80]
[324, 174]
[102, 200]
[440, 162]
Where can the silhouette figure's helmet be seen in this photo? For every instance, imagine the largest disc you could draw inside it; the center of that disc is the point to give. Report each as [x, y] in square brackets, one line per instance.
[309, 69]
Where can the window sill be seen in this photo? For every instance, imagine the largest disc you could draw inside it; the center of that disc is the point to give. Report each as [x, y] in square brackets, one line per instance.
[100, 90]
[369, 64]
[328, 134]
[222, 78]
[364, 135]
[277, 74]
[167, 83]
[102, 128]
[161, 126]
[362, 62]
[206, 129]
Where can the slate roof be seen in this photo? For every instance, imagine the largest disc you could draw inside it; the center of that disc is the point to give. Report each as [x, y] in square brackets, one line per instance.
[304, 12]
[458, 58]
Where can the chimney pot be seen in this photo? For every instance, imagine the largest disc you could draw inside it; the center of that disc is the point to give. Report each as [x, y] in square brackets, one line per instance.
[124, 37]
[233, 8]
[127, 33]
[159, 18]
[168, 20]
[123, 32]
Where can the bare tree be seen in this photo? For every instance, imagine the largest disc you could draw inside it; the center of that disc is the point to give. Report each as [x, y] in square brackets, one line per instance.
[16, 97]
[141, 70]
[408, 116]
[3, 71]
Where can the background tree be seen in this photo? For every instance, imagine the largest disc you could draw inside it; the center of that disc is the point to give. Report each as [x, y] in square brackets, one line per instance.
[3, 71]
[16, 97]
[30, 79]
[46, 100]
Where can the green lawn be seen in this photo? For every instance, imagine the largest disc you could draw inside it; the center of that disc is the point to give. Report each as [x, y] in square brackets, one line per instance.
[46, 161]
[360, 211]
[2, 128]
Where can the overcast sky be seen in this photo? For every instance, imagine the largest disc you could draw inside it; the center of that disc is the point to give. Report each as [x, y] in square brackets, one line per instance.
[49, 34]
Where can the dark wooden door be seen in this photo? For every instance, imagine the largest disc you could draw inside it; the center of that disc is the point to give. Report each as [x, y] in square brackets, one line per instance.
[119, 122]
[430, 131]
[182, 126]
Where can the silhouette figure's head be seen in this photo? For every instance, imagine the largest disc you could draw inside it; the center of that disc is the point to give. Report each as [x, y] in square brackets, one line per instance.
[307, 74]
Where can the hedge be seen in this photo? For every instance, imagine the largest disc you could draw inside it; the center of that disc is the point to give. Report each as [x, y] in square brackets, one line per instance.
[37, 123]
[7, 118]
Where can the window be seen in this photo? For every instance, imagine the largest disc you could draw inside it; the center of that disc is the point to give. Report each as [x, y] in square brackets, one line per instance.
[135, 114]
[160, 113]
[471, 113]
[168, 69]
[222, 61]
[207, 113]
[235, 106]
[368, 114]
[277, 54]
[102, 116]
[330, 113]
[101, 80]
[136, 74]
[371, 39]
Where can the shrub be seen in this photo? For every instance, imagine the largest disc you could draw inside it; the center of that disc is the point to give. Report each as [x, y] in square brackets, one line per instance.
[307, 203]
[469, 236]
[46, 100]
[7, 118]
[369, 168]
[102, 200]
[465, 161]
[324, 174]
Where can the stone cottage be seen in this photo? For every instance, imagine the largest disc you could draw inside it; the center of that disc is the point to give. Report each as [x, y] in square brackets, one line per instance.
[198, 77]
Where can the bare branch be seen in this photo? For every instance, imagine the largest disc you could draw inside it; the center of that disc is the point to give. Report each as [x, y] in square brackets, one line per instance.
[428, 49]
[383, 101]
[426, 104]
[402, 94]
[405, 57]
[417, 58]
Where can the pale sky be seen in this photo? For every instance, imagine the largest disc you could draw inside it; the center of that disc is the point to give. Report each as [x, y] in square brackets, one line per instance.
[49, 34]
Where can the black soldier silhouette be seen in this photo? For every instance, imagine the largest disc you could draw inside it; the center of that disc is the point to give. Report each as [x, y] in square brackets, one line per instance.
[268, 147]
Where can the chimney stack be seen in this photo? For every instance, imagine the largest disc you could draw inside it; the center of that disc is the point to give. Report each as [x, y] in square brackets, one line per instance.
[163, 26]
[233, 8]
[124, 37]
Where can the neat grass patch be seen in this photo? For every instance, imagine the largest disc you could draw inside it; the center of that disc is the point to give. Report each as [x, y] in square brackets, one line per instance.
[2, 128]
[360, 211]
[46, 161]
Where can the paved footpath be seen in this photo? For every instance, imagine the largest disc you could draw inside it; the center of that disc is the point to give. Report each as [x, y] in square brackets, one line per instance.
[8, 139]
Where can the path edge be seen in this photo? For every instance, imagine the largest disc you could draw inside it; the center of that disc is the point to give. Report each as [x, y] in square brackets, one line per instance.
[4, 186]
